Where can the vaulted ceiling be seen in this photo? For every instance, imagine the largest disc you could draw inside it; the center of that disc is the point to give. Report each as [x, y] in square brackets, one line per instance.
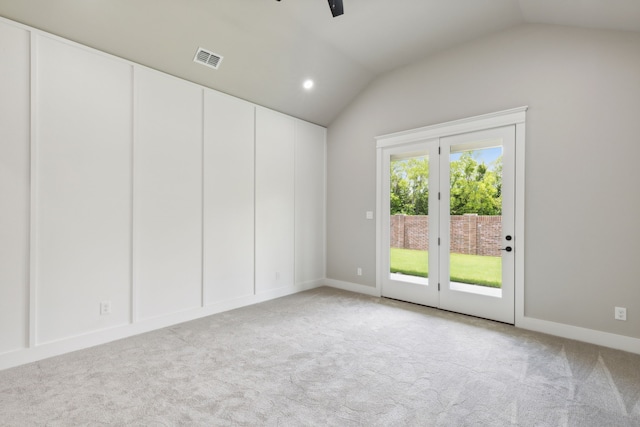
[270, 47]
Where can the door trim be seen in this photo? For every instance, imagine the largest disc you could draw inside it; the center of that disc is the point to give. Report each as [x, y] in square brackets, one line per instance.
[515, 116]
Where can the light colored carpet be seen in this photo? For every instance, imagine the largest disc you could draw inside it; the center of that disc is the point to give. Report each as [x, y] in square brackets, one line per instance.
[327, 357]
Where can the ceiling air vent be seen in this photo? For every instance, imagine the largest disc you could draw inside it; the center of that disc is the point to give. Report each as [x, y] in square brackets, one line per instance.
[208, 58]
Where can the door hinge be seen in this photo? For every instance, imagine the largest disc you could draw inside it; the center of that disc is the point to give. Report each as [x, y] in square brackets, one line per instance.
[439, 150]
[438, 241]
[438, 287]
[438, 195]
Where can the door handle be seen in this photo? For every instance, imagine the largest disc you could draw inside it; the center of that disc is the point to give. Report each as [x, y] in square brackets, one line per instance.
[508, 249]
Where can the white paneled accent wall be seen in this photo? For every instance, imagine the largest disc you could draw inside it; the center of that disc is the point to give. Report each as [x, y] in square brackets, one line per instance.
[309, 202]
[131, 200]
[14, 187]
[82, 161]
[167, 195]
[275, 197]
[229, 127]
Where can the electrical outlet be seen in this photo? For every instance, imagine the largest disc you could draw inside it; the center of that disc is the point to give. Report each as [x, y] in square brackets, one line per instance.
[620, 313]
[359, 271]
[105, 307]
[369, 215]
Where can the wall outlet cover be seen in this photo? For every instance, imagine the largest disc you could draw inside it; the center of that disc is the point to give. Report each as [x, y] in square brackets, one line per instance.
[105, 307]
[620, 313]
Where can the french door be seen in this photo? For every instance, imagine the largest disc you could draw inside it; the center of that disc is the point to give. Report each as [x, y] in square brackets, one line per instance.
[448, 222]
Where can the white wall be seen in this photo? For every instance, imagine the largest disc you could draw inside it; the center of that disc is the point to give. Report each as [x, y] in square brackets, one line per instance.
[143, 194]
[309, 202]
[82, 172]
[275, 200]
[229, 159]
[167, 195]
[582, 202]
[14, 187]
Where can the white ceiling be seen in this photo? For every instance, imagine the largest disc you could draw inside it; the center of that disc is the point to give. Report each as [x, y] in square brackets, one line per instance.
[270, 47]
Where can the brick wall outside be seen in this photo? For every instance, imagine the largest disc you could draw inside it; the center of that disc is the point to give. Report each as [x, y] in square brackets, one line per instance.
[489, 232]
[410, 232]
[470, 234]
[397, 231]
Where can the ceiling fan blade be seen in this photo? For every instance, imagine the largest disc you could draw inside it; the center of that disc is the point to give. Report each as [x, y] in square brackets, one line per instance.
[337, 8]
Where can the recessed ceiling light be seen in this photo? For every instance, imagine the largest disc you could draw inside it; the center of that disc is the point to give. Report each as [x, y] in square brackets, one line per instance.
[308, 84]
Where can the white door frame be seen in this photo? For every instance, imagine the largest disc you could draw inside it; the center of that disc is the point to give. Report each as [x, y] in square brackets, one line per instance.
[517, 117]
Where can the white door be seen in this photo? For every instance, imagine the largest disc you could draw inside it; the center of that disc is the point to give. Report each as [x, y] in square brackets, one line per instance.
[477, 248]
[410, 269]
[453, 249]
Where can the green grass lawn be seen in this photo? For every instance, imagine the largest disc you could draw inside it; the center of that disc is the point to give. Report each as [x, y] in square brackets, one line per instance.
[475, 269]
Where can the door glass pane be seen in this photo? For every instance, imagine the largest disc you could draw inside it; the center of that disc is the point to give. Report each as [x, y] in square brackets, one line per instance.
[409, 222]
[475, 263]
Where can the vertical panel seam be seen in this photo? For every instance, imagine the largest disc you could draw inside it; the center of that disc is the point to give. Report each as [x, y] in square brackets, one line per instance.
[255, 181]
[134, 245]
[296, 131]
[203, 294]
[33, 184]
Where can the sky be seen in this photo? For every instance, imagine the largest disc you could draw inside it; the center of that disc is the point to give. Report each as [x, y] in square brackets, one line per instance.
[486, 155]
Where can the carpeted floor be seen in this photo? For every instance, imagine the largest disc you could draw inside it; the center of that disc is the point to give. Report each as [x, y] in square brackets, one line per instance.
[330, 358]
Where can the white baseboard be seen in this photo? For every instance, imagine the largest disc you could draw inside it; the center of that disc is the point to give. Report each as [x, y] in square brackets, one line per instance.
[577, 333]
[67, 345]
[353, 287]
[56, 348]
[605, 339]
[281, 292]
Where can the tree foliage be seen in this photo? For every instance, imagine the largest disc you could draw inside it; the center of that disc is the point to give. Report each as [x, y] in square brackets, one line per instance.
[475, 187]
[410, 186]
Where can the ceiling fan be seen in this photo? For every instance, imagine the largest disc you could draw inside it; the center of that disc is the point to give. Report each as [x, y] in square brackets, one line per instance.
[336, 7]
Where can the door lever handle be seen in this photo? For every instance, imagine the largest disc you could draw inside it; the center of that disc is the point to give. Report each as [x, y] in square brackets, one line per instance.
[508, 249]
